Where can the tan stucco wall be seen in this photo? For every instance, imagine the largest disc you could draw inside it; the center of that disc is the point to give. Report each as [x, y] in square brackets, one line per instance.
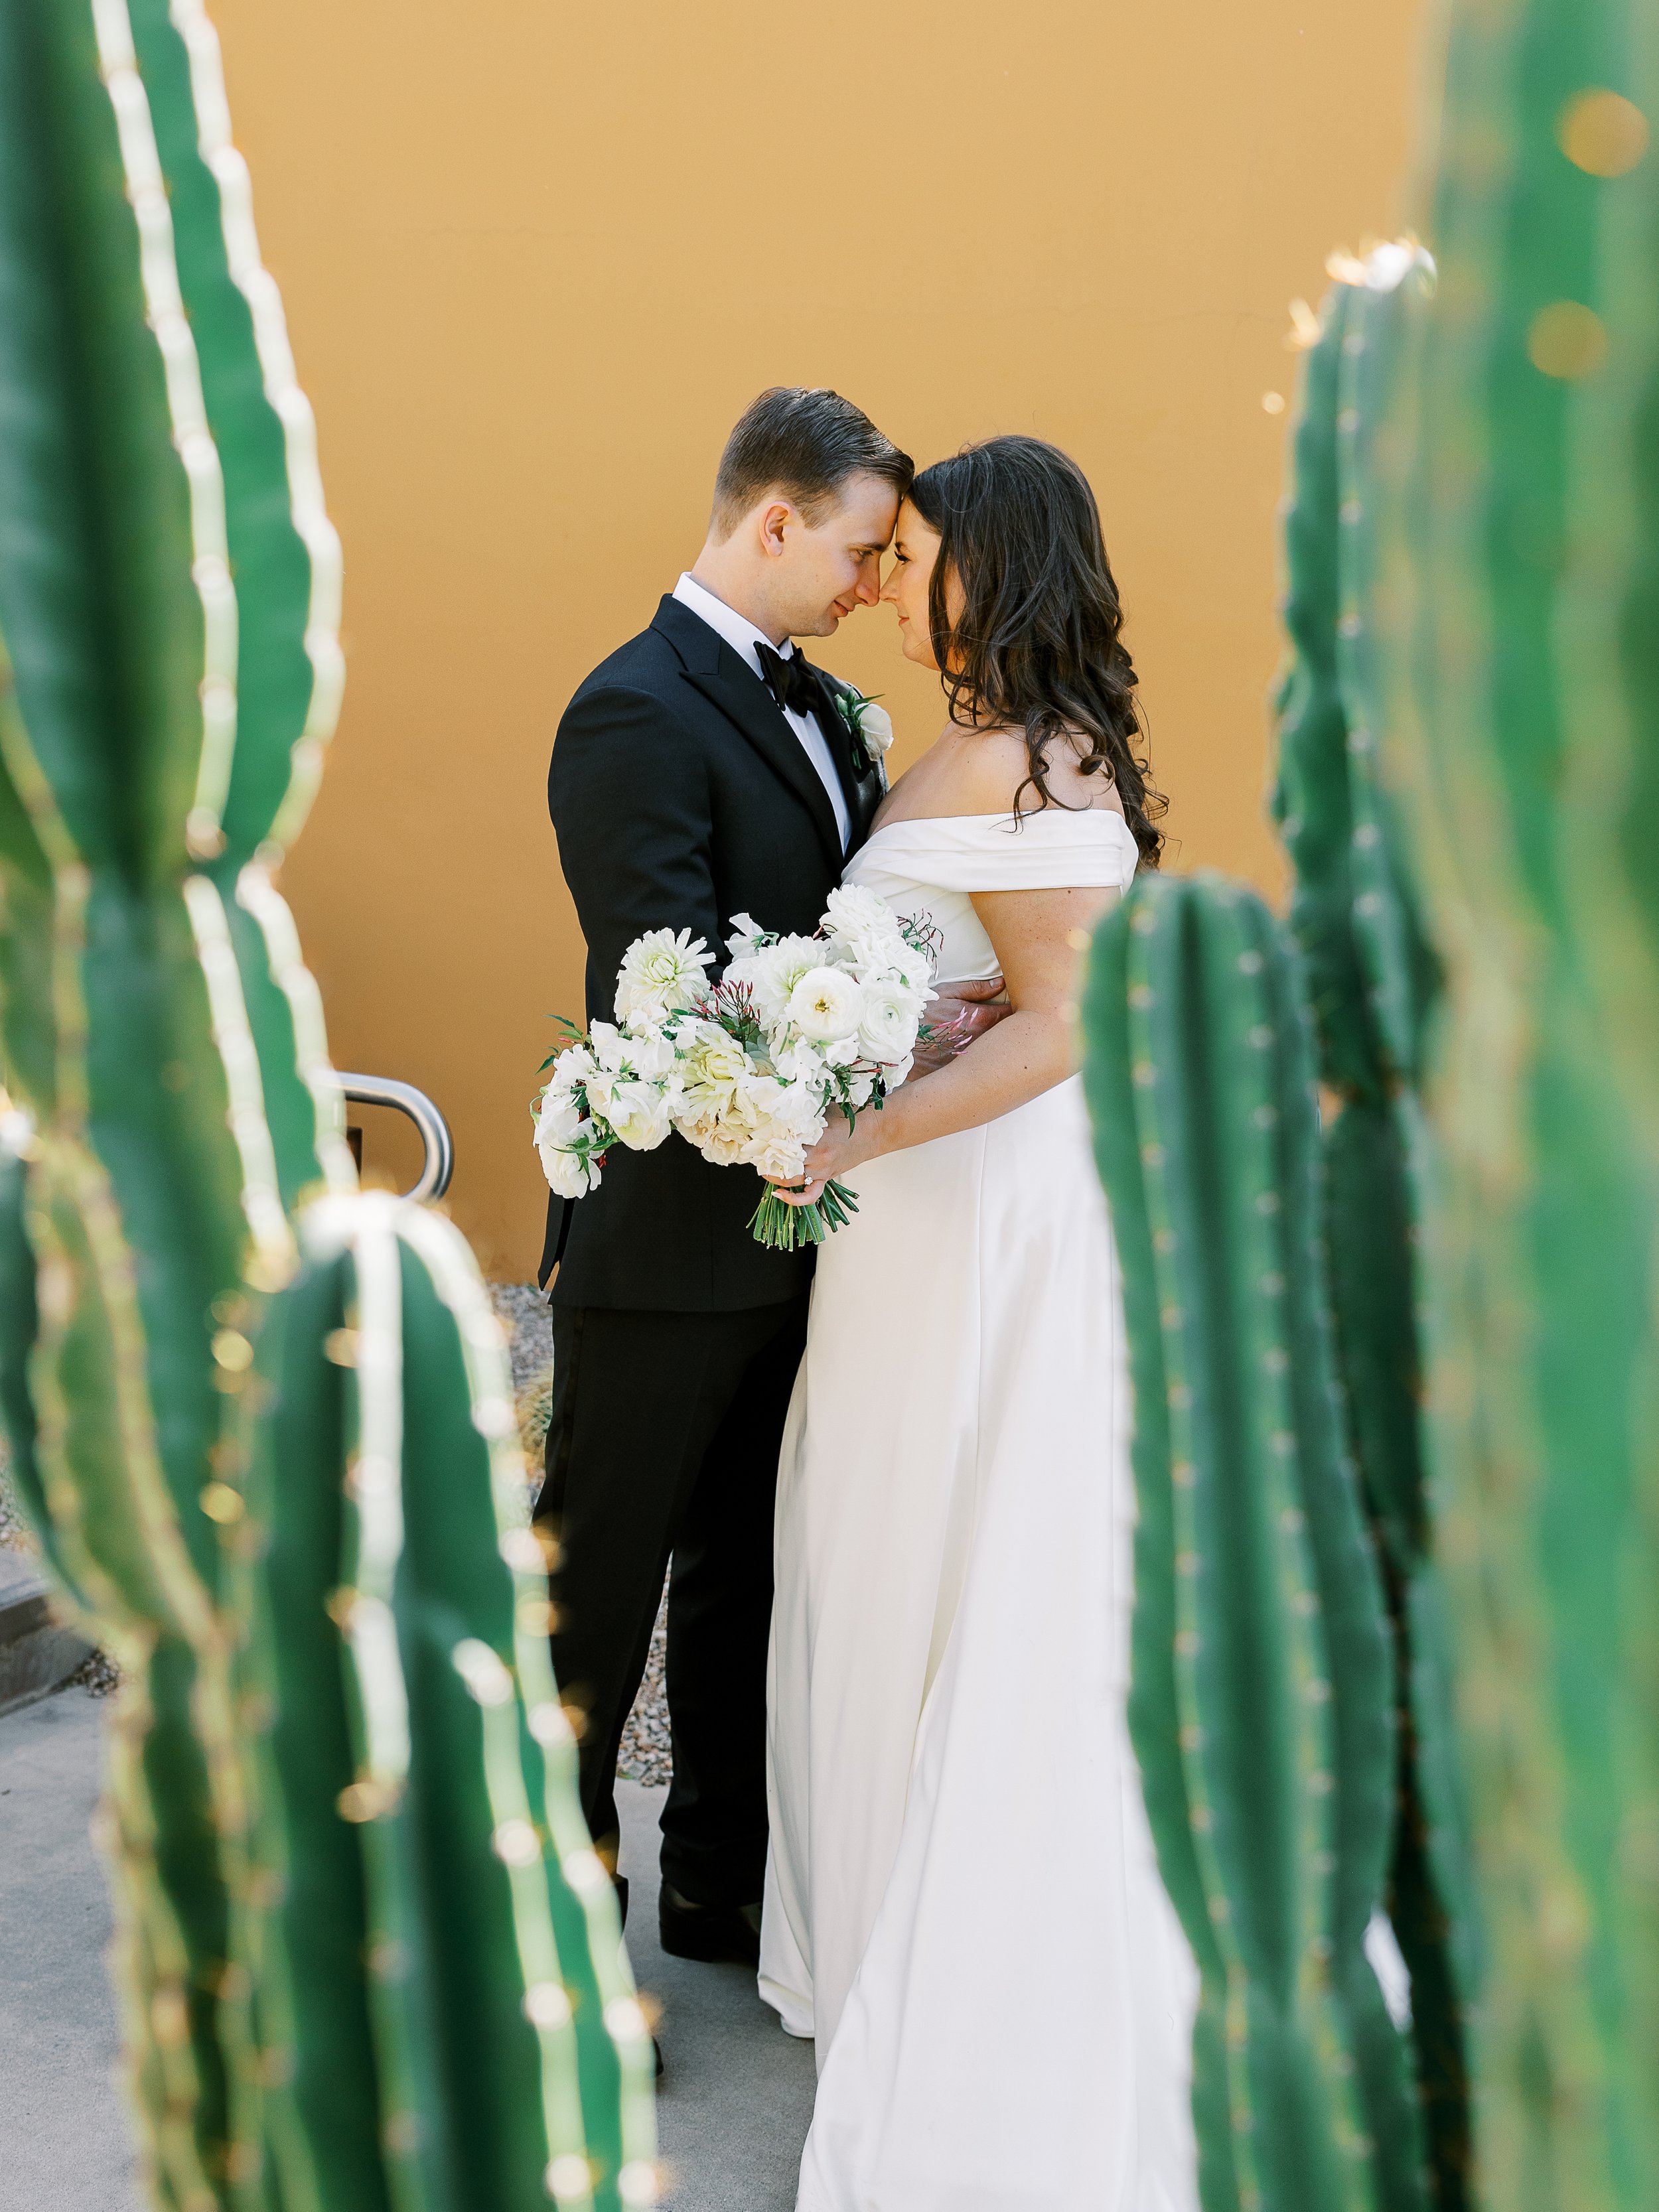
[535, 259]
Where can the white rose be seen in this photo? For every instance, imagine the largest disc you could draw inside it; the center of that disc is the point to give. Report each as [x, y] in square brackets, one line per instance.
[876, 728]
[826, 1005]
[717, 1140]
[661, 972]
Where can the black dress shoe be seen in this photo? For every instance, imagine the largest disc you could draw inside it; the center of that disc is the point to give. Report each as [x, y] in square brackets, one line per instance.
[712, 1933]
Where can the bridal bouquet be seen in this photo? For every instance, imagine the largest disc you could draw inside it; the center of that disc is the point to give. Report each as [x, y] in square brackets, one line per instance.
[751, 1069]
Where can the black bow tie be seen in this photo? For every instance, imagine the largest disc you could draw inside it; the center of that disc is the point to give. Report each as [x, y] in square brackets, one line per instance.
[790, 682]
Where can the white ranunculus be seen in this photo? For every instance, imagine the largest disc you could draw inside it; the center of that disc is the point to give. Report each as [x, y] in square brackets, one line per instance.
[889, 1027]
[640, 1115]
[661, 972]
[826, 1005]
[876, 728]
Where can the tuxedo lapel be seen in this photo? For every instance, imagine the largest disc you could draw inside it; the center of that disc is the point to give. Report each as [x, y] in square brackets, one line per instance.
[861, 781]
[744, 699]
[714, 670]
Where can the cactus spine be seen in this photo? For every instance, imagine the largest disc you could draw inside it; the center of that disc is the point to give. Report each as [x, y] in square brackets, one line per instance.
[169, 590]
[1261, 1707]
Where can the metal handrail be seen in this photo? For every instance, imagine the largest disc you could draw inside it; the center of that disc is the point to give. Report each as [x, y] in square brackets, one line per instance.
[385, 1091]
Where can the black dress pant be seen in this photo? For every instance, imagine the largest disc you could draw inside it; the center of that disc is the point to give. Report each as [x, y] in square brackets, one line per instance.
[664, 1442]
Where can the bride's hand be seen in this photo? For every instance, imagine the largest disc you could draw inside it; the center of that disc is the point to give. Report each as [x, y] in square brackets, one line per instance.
[836, 1153]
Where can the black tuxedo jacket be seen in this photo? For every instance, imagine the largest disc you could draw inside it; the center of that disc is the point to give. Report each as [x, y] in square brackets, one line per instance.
[681, 797]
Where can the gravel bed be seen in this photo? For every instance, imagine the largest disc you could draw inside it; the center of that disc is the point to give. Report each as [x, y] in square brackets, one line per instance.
[15, 1535]
[645, 1754]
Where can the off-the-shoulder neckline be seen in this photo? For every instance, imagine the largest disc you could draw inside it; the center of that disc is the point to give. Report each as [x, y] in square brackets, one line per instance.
[1038, 814]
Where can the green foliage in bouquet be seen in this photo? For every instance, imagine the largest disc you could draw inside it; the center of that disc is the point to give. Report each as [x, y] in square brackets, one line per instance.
[1262, 1701]
[169, 675]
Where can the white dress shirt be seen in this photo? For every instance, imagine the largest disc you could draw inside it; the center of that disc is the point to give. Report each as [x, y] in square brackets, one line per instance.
[743, 637]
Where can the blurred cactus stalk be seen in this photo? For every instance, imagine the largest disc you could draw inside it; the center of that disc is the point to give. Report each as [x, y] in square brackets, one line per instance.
[262, 1422]
[1469, 724]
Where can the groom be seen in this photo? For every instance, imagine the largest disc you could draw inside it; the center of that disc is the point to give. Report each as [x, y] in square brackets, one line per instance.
[701, 772]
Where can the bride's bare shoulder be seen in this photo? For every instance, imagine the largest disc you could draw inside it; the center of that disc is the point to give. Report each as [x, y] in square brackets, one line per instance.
[982, 772]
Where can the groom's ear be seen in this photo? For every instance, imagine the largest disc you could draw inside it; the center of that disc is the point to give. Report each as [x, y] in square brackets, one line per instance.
[770, 523]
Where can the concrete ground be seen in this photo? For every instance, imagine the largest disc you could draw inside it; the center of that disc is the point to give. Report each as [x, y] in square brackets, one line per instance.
[736, 2095]
[735, 2099]
[63, 2142]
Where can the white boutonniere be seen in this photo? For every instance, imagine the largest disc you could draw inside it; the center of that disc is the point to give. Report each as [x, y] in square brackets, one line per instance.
[870, 727]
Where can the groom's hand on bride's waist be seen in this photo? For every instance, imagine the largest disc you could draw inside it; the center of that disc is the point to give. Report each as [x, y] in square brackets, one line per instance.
[956, 1014]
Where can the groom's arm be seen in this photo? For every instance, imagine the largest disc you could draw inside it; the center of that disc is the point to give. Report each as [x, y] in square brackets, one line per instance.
[630, 804]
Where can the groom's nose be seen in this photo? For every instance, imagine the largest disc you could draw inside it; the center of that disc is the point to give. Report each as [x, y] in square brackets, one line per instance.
[869, 583]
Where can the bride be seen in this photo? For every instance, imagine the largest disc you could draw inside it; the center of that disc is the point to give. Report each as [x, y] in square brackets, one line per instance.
[962, 1906]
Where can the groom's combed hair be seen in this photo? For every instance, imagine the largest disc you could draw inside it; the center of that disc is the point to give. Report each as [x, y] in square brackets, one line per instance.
[805, 445]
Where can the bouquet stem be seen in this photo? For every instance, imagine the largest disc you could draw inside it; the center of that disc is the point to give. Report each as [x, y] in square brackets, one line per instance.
[785, 1228]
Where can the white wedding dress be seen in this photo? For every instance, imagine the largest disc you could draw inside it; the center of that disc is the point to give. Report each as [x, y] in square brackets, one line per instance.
[962, 1903]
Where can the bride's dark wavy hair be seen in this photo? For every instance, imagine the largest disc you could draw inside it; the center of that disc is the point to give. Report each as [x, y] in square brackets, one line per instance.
[1037, 645]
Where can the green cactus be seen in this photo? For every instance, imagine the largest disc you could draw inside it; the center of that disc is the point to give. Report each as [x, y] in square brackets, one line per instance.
[169, 589]
[1513, 624]
[441, 2009]
[1262, 1700]
[1371, 981]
